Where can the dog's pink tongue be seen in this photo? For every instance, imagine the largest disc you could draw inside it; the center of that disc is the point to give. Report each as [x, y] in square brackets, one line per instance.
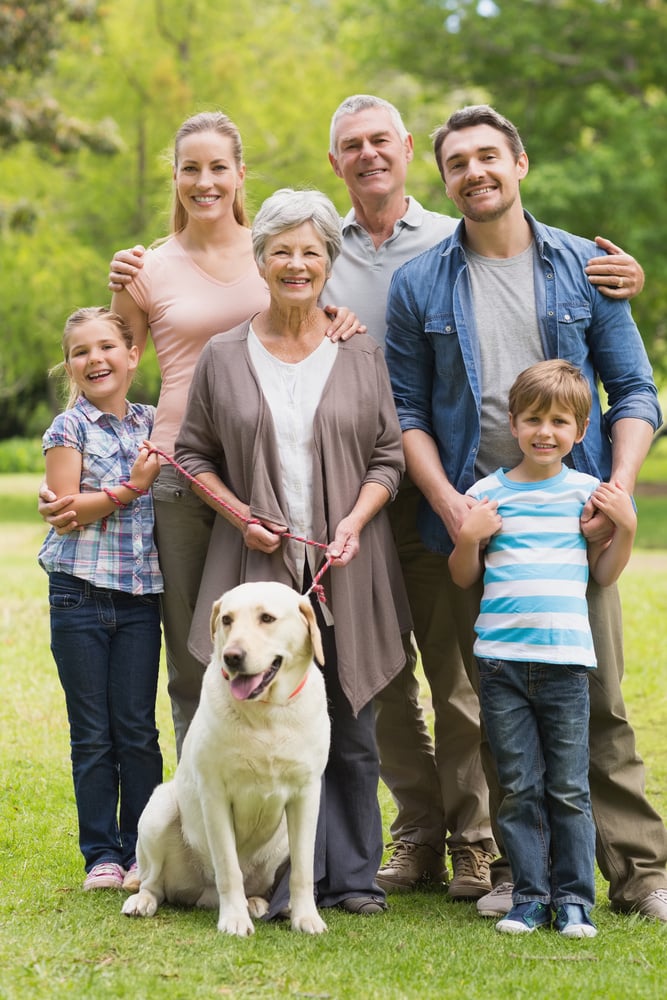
[242, 687]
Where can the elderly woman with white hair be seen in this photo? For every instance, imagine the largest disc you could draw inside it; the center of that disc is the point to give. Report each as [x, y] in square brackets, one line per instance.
[299, 433]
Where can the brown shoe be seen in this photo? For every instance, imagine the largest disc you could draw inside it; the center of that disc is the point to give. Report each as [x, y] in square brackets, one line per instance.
[471, 872]
[410, 865]
[363, 906]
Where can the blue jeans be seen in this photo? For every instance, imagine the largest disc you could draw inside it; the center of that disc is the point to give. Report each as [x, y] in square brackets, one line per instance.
[106, 645]
[536, 719]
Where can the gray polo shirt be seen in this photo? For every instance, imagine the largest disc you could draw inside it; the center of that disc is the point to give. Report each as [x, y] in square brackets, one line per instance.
[361, 274]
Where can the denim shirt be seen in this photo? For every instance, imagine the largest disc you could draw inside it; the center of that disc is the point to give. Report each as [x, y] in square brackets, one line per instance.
[432, 352]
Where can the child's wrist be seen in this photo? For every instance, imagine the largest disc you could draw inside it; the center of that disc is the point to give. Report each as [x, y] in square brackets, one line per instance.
[124, 494]
[115, 499]
[139, 491]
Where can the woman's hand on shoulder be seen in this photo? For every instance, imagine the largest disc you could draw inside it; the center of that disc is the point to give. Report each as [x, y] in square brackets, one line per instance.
[124, 267]
[344, 323]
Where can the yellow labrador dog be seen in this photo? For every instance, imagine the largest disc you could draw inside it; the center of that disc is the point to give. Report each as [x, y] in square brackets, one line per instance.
[246, 792]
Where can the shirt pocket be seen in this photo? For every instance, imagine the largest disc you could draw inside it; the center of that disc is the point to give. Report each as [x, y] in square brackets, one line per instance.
[442, 333]
[102, 462]
[574, 320]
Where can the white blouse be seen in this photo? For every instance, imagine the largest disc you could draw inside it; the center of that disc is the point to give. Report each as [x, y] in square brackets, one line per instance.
[293, 392]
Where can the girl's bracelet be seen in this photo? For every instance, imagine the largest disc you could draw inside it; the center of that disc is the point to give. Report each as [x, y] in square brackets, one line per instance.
[112, 496]
[135, 489]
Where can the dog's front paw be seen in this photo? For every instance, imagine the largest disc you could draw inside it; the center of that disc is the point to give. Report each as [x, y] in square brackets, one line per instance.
[235, 923]
[308, 923]
[142, 904]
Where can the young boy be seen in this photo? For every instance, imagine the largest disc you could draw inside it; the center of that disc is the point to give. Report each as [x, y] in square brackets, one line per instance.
[534, 644]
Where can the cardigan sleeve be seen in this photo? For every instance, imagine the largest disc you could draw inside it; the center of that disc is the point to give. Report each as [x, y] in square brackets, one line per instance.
[387, 463]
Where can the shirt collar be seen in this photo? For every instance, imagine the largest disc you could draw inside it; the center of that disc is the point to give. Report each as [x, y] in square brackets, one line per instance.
[412, 218]
[94, 415]
[542, 234]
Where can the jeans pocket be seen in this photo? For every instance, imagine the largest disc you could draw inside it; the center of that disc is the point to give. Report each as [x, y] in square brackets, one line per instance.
[65, 600]
[152, 600]
[489, 668]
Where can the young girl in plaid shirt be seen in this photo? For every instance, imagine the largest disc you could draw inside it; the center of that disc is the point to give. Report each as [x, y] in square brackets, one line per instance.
[104, 582]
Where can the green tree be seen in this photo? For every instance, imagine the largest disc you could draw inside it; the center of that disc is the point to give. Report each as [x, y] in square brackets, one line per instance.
[30, 35]
[586, 83]
[41, 264]
[140, 69]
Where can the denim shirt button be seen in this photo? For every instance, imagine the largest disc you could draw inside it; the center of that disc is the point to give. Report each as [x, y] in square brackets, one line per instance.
[448, 329]
[567, 317]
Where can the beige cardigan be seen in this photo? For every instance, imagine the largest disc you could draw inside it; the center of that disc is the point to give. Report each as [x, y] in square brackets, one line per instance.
[228, 430]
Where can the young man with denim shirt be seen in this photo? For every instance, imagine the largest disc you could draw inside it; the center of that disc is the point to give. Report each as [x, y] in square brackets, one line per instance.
[463, 319]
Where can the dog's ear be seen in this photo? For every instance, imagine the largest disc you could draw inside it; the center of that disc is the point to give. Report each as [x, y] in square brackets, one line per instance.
[306, 609]
[215, 611]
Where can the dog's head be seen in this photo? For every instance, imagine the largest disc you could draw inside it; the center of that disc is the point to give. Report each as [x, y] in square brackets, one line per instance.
[265, 637]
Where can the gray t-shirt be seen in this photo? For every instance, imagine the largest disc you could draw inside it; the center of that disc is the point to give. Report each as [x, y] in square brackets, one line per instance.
[509, 340]
[362, 274]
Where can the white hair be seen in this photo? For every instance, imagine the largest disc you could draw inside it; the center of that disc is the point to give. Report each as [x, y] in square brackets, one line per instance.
[360, 102]
[287, 209]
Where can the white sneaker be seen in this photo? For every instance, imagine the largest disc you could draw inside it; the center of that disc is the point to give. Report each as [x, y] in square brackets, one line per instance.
[496, 903]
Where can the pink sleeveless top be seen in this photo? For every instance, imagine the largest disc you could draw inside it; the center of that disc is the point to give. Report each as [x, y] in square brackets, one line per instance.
[185, 307]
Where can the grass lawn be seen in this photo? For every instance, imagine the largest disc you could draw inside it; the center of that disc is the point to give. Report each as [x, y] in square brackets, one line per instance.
[58, 942]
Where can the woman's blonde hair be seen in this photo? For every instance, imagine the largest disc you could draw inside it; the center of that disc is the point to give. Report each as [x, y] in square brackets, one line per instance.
[77, 319]
[209, 121]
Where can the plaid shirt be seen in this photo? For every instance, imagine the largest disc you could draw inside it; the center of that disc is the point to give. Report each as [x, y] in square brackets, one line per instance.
[123, 556]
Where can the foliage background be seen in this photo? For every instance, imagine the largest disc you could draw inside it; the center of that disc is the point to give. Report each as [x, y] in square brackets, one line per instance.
[91, 93]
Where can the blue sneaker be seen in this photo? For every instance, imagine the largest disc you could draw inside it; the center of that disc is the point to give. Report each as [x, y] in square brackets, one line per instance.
[573, 921]
[524, 918]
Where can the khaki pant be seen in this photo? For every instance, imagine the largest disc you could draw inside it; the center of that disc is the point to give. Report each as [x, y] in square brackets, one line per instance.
[183, 526]
[438, 786]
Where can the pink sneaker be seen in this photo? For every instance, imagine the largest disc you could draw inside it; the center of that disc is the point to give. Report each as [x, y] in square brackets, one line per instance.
[106, 875]
[132, 881]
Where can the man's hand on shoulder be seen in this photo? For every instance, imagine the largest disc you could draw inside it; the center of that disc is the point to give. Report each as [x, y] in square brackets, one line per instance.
[617, 275]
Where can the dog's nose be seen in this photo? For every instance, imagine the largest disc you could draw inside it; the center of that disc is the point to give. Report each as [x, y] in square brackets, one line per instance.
[234, 658]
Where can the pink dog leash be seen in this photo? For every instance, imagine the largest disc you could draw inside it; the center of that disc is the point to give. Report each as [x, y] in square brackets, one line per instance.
[315, 587]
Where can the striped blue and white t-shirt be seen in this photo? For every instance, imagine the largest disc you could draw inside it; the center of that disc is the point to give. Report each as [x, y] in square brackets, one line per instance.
[536, 570]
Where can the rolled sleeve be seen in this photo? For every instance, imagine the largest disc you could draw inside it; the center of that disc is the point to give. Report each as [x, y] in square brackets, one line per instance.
[410, 357]
[619, 357]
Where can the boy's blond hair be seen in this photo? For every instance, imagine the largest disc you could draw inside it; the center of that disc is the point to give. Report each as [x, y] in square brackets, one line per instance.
[549, 382]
